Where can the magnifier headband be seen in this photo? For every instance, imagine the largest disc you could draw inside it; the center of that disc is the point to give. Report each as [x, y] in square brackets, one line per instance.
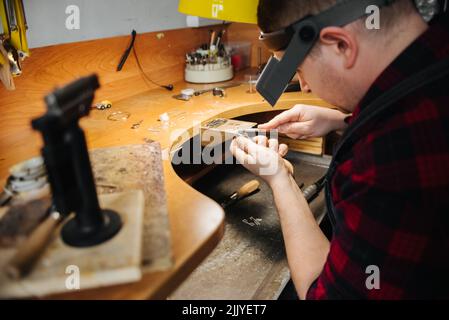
[299, 38]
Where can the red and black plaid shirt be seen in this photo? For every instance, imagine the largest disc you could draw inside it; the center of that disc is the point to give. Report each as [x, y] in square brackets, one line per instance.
[391, 196]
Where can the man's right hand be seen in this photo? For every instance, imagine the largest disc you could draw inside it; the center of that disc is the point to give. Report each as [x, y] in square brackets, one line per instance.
[305, 121]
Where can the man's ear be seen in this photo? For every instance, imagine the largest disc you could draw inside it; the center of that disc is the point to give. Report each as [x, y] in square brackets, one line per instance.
[342, 42]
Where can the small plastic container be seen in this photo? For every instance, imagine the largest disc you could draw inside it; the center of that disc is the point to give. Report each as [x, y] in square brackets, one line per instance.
[251, 81]
[240, 54]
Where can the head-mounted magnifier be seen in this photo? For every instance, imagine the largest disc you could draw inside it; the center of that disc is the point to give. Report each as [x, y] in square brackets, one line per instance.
[299, 38]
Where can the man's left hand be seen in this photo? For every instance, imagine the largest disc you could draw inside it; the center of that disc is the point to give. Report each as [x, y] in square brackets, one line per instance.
[261, 156]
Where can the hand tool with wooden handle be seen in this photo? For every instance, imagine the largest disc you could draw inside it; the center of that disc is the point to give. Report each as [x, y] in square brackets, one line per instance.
[246, 190]
[30, 250]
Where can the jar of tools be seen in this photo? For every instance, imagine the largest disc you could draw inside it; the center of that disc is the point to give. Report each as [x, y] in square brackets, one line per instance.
[210, 63]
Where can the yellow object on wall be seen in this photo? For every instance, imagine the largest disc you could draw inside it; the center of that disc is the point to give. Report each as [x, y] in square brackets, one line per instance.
[14, 26]
[13, 41]
[4, 20]
[18, 35]
[230, 10]
[2, 60]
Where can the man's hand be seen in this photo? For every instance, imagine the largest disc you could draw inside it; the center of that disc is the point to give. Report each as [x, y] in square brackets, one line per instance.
[307, 247]
[304, 121]
[261, 156]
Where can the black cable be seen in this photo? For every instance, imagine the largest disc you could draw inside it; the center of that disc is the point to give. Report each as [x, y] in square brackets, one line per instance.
[314, 190]
[168, 87]
[125, 57]
[127, 51]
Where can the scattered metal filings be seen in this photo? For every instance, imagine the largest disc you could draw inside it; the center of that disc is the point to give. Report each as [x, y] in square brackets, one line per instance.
[136, 125]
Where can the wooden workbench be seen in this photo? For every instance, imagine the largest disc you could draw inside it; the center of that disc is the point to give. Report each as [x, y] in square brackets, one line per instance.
[196, 222]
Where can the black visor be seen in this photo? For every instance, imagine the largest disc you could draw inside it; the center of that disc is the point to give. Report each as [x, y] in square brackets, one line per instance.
[278, 40]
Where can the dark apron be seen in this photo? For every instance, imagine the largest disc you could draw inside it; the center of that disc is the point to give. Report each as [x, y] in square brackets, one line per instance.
[369, 116]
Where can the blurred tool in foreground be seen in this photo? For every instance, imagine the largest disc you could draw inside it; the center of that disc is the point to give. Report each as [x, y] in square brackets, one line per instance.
[68, 165]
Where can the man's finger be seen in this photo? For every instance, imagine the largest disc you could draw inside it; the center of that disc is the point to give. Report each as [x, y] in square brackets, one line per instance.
[247, 145]
[283, 150]
[285, 117]
[294, 128]
[243, 143]
[261, 140]
[273, 144]
[238, 153]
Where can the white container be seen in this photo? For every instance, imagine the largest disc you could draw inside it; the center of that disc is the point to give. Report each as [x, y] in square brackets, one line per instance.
[210, 73]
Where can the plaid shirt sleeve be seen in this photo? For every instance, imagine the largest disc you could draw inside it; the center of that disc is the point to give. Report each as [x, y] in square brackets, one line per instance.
[391, 196]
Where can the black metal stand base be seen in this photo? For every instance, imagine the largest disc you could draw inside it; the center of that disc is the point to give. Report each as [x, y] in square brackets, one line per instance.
[75, 236]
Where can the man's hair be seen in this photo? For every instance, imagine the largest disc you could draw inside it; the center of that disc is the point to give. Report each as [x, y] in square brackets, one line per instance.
[274, 15]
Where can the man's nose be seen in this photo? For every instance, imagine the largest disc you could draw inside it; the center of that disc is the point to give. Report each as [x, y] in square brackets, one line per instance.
[304, 86]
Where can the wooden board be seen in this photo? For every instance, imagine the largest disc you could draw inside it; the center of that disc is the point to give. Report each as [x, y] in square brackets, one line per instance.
[139, 167]
[313, 146]
[115, 261]
[116, 170]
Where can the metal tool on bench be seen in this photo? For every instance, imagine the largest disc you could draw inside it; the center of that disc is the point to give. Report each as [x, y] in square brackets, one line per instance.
[227, 86]
[246, 190]
[188, 94]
